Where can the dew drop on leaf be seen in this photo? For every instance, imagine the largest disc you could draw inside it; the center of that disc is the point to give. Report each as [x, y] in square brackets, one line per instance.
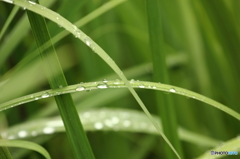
[48, 130]
[87, 41]
[132, 81]
[22, 133]
[117, 81]
[172, 90]
[102, 86]
[98, 125]
[45, 95]
[31, 2]
[80, 88]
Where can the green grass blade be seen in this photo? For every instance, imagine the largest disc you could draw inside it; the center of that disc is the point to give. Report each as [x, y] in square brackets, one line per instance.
[83, 21]
[7, 23]
[79, 142]
[26, 145]
[16, 36]
[105, 119]
[231, 145]
[166, 106]
[119, 84]
[55, 17]
[4, 152]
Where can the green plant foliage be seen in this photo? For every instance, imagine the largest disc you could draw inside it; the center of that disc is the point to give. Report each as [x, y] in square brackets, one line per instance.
[200, 44]
[26, 145]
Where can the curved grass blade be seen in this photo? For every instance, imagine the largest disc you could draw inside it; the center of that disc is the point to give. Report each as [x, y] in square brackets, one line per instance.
[26, 145]
[83, 21]
[104, 119]
[231, 147]
[119, 84]
[55, 17]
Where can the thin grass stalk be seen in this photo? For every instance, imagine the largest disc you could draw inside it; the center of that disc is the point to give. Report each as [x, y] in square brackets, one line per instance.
[4, 152]
[74, 129]
[9, 20]
[165, 103]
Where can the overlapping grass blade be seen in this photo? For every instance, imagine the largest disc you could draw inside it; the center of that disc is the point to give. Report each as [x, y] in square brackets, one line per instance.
[16, 35]
[88, 41]
[79, 142]
[26, 145]
[6, 49]
[4, 152]
[165, 105]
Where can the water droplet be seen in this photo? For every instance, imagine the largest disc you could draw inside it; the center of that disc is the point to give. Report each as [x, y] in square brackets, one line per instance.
[57, 18]
[115, 120]
[108, 123]
[36, 98]
[31, 2]
[172, 90]
[102, 86]
[141, 86]
[117, 81]
[87, 41]
[80, 88]
[78, 34]
[105, 80]
[132, 81]
[98, 125]
[154, 87]
[22, 133]
[48, 130]
[45, 95]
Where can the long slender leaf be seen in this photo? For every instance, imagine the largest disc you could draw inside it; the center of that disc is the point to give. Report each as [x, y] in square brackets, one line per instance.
[4, 152]
[119, 84]
[166, 105]
[26, 145]
[104, 119]
[81, 147]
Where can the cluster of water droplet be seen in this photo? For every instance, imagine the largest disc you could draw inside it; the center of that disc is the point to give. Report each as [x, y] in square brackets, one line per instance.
[117, 120]
[24, 133]
[103, 119]
[87, 40]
